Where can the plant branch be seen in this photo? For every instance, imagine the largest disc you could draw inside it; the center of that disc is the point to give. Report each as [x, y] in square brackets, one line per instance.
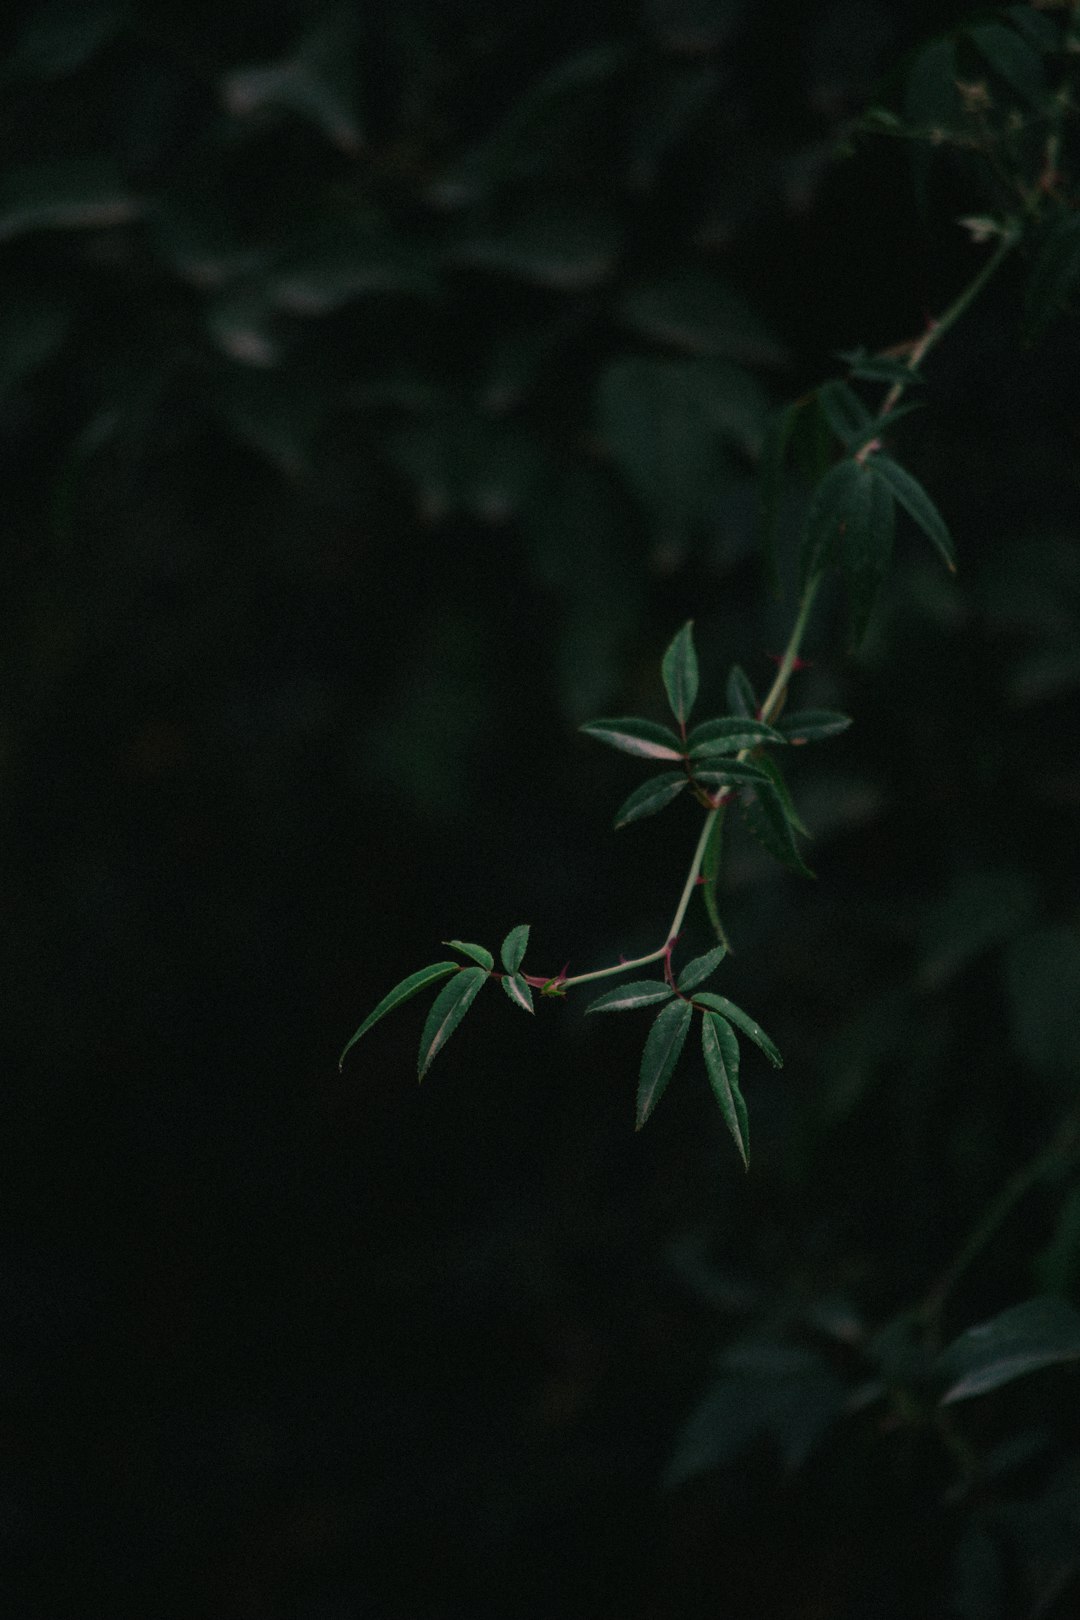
[777, 693]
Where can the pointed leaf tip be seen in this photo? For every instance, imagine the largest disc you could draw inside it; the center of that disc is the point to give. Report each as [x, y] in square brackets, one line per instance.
[513, 947]
[401, 992]
[447, 1011]
[679, 669]
[632, 735]
[518, 991]
[662, 1048]
[477, 952]
[721, 1051]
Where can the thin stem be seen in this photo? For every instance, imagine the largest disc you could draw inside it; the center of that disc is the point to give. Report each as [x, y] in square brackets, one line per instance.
[937, 329]
[774, 699]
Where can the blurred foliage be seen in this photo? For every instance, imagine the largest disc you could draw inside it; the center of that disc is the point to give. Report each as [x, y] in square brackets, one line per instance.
[381, 386]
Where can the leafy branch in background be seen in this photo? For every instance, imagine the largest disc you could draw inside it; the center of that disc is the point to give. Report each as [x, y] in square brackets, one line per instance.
[1010, 124]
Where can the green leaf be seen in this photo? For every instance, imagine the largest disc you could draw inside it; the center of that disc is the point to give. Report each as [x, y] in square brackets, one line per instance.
[518, 991]
[448, 1009]
[729, 735]
[697, 971]
[680, 671]
[845, 413]
[1012, 59]
[651, 797]
[766, 820]
[1040, 1333]
[721, 1051]
[881, 368]
[916, 503]
[513, 947]
[477, 952]
[662, 1048]
[731, 773]
[711, 863]
[640, 993]
[401, 992]
[644, 738]
[840, 493]
[865, 554]
[812, 725]
[773, 772]
[743, 1021]
[741, 697]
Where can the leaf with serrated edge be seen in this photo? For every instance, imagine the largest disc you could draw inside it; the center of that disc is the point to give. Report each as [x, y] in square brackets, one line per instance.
[765, 818]
[644, 738]
[729, 734]
[917, 504]
[447, 1011]
[518, 991]
[721, 1051]
[513, 947]
[650, 797]
[680, 672]
[477, 952]
[697, 971]
[662, 1048]
[401, 992]
[812, 725]
[775, 775]
[641, 993]
[743, 1021]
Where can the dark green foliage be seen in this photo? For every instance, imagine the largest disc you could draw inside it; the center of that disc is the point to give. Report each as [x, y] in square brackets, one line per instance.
[382, 387]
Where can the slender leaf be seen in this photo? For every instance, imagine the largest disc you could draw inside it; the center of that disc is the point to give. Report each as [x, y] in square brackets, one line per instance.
[764, 815]
[448, 1009]
[729, 772]
[513, 947]
[845, 412]
[917, 504]
[518, 991]
[1039, 1333]
[776, 777]
[743, 1021]
[401, 992]
[721, 1051]
[865, 555]
[628, 997]
[1012, 59]
[477, 952]
[812, 725]
[839, 495]
[662, 1048]
[711, 863]
[697, 971]
[644, 738]
[741, 697]
[729, 734]
[650, 797]
[882, 368]
[680, 672]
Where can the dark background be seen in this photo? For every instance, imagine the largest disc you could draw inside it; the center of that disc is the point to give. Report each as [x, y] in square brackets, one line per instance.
[325, 532]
